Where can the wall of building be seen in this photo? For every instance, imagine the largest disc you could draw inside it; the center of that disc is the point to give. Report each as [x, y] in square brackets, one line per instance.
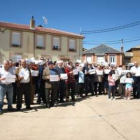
[136, 56]
[28, 50]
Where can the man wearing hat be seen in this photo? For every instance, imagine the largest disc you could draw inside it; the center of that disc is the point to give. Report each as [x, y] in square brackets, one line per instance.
[50, 86]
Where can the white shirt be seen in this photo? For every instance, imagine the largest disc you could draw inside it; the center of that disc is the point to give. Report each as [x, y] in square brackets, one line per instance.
[135, 70]
[25, 74]
[4, 74]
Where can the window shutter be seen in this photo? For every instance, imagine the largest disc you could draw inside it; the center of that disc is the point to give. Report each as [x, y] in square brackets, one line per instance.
[40, 41]
[16, 38]
[56, 43]
[72, 44]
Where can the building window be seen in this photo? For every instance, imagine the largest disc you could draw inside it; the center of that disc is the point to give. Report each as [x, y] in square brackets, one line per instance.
[56, 43]
[16, 39]
[40, 41]
[72, 45]
[112, 59]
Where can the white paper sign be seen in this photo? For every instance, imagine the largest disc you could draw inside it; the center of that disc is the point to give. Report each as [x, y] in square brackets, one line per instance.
[10, 79]
[54, 78]
[107, 71]
[64, 76]
[99, 72]
[34, 72]
[122, 79]
[92, 71]
[125, 71]
[75, 71]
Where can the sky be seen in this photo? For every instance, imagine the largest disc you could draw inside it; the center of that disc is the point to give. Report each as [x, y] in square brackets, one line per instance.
[73, 15]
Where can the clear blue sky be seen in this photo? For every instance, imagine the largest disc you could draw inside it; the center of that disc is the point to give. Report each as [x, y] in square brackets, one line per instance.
[71, 15]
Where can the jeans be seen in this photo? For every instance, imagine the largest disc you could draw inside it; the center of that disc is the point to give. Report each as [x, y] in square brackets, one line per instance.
[6, 89]
[111, 89]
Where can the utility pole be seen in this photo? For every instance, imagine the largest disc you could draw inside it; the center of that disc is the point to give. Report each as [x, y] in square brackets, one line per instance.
[122, 46]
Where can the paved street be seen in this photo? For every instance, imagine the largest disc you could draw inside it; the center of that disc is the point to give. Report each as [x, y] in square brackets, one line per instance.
[92, 118]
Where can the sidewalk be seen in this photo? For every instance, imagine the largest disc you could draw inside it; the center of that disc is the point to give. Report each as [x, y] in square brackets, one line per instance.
[92, 118]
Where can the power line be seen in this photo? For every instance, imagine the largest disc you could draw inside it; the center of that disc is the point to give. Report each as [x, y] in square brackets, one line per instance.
[112, 42]
[112, 29]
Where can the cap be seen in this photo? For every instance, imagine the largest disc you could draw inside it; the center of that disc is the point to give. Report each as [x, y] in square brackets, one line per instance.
[50, 62]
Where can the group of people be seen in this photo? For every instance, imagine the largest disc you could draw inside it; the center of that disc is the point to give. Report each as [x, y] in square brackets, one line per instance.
[54, 82]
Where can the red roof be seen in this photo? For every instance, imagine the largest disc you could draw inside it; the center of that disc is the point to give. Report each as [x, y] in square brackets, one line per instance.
[38, 29]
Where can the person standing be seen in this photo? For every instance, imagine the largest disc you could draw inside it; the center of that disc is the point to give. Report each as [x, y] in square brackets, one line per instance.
[91, 79]
[86, 83]
[135, 70]
[111, 81]
[70, 81]
[98, 84]
[41, 83]
[61, 85]
[24, 78]
[5, 87]
[50, 87]
[12, 69]
[128, 85]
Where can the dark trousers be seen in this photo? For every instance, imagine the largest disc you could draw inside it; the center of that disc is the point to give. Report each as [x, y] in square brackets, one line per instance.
[135, 87]
[61, 89]
[25, 88]
[99, 87]
[41, 91]
[91, 86]
[111, 89]
[138, 87]
[72, 87]
[47, 95]
[86, 85]
[14, 92]
[122, 89]
[81, 88]
[54, 96]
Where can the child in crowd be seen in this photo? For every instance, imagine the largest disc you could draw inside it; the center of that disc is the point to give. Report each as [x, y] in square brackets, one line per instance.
[111, 81]
[128, 85]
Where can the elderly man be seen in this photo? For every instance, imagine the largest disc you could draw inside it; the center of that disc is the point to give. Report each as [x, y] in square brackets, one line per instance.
[24, 78]
[62, 85]
[50, 85]
[5, 86]
[135, 70]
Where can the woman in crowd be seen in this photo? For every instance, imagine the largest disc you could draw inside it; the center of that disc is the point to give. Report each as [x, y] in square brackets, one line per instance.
[98, 81]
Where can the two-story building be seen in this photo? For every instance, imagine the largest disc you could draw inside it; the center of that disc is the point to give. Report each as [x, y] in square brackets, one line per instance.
[26, 41]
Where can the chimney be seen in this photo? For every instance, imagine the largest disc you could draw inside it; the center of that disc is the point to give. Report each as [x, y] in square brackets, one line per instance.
[32, 23]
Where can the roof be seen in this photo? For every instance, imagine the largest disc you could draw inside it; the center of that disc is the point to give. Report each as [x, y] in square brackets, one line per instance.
[38, 29]
[101, 50]
[136, 47]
